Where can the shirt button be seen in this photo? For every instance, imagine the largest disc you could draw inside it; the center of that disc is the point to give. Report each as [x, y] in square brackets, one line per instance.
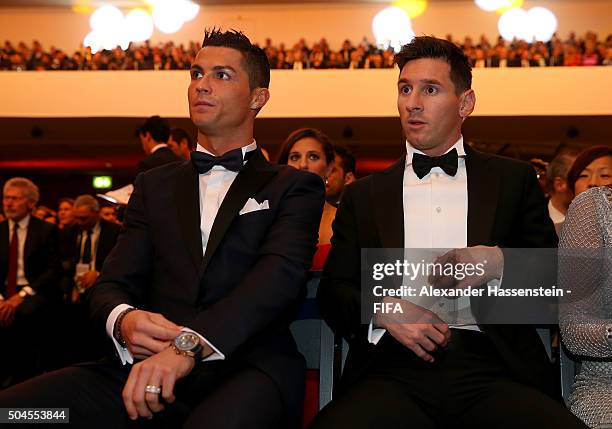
[435, 175]
[438, 209]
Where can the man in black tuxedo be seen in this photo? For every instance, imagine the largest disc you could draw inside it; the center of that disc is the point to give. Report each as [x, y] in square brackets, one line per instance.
[29, 277]
[206, 276]
[442, 194]
[85, 246]
[153, 135]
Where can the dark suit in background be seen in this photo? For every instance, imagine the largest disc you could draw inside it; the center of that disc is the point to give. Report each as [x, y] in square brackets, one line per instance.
[77, 321]
[161, 156]
[26, 343]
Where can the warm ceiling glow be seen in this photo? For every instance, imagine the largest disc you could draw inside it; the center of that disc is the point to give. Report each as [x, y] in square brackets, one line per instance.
[139, 25]
[413, 8]
[536, 24]
[392, 27]
[511, 4]
[491, 5]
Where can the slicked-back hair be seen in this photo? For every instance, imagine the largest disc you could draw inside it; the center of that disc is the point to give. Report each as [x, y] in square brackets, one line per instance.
[434, 48]
[178, 134]
[302, 133]
[255, 61]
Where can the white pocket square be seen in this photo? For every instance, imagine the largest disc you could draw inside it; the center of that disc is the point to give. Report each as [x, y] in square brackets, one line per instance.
[252, 206]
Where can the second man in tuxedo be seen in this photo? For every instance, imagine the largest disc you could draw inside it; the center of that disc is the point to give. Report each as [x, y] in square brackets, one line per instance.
[441, 194]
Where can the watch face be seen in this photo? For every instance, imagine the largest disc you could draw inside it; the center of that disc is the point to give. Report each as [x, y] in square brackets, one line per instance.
[186, 341]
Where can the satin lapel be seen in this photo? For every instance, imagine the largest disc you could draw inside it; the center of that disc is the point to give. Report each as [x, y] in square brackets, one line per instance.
[187, 196]
[255, 174]
[482, 185]
[387, 190]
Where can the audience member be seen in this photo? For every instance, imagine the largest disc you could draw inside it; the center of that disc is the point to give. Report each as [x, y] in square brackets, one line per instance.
[591, 168]
[85, 246]
[343, 173]
[153, 135]
[585, 268]
[181, 143]
[560, 194]
[29, 274]
[109, 214]
[64, 212]
[309, 149]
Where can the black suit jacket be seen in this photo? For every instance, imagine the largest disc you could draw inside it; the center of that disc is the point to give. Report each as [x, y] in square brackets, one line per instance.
[70, 250]
[160, 157]
[70, 244]
[41, 262]
[505, 208]
[242, 293]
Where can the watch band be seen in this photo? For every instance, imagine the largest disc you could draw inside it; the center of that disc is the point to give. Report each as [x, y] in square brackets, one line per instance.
[117, 328]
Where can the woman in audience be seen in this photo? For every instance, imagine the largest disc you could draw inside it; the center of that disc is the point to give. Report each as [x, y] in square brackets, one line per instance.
[585, 268]
[64, 212]
[591, 168]
[311, 150]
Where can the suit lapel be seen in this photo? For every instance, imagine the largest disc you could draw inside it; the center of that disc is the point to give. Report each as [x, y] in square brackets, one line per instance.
[389, 204]
[187, 197]
[32, 231]
[482, 185]
[255, 174]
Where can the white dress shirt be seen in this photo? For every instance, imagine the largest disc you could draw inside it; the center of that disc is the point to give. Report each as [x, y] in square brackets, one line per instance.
[435, 215]
[95, 237]
[214, 185]
[555, 215]
[22, 235]
[158, 147]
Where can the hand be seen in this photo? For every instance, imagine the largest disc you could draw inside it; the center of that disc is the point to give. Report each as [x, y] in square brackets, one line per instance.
[7, 310]
[162, 369]
[479, 265]
[88, 279]
[421, 330]
[147, 333]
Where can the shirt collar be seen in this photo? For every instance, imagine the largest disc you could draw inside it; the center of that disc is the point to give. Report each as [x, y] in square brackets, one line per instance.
[23, 223]
[410, 150]
[245, 149]
[158, 147]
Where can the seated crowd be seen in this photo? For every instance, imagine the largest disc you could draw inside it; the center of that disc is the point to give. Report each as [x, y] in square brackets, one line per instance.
[573, 51]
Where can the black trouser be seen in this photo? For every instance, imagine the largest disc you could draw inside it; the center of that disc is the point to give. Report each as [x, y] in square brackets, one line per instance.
[214, 395]
[467, 386]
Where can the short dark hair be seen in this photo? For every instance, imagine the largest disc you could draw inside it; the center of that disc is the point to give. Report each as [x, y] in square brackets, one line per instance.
[302, 133]
[582, 161]
[432, 47]
[255, 61]
[179, 134]
[157, 127]
[347, 159]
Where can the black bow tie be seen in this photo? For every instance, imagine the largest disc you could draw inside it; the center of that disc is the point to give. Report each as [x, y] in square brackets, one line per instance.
[232, 160]
[422, 164]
